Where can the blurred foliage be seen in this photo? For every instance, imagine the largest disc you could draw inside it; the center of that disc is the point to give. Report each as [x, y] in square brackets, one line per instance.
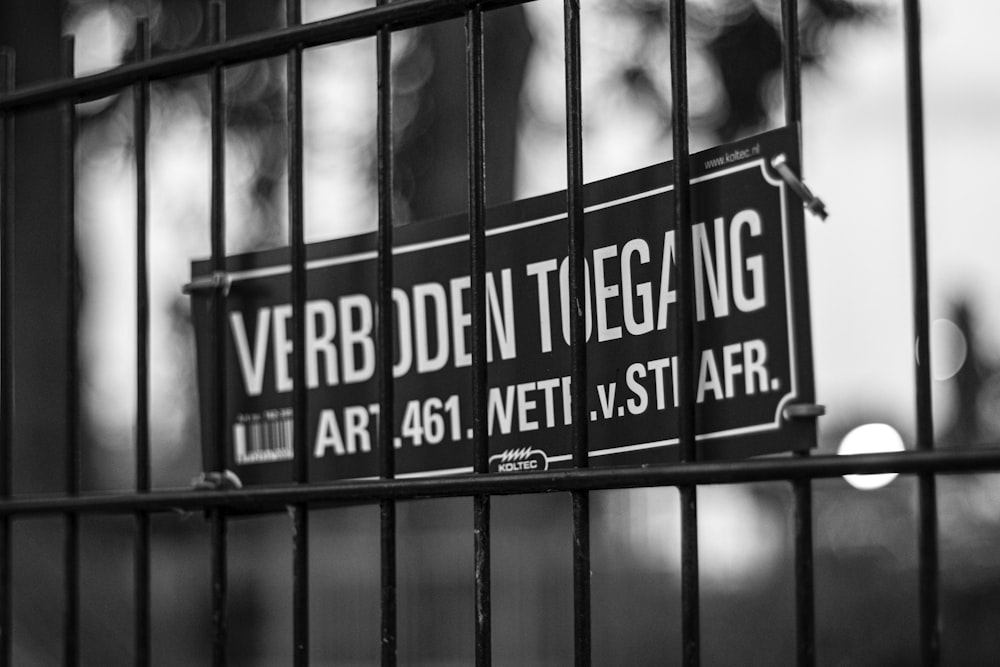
[738, 45]
[734, 52]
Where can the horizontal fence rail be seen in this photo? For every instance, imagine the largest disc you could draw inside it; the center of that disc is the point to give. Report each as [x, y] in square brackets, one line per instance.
[351, 492]
[197, 60]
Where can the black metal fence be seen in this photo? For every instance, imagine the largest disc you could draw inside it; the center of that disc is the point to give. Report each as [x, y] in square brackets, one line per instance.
[381, 22]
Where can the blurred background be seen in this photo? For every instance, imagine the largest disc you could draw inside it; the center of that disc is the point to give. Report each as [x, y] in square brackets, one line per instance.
[854, 152]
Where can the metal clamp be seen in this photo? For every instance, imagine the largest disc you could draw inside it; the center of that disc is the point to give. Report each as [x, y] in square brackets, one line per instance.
[803, 411]
[813, 203]
[217, 481]
[217, 280]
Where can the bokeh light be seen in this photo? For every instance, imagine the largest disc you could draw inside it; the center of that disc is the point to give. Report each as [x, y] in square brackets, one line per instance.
[871, 439]
[948, 349]
[103, 35]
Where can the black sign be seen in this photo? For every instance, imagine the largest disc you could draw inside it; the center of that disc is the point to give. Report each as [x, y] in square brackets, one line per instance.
[752, 346]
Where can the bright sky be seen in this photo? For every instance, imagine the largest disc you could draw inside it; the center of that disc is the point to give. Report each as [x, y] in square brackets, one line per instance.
[855, 156]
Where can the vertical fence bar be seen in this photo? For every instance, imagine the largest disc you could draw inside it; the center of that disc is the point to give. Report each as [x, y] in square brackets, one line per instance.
[690, 605]
[581, 575]
[300, 399]
[791, 62]
[927, 498]
[6, 345]
[805, 605]
[140, 116]
[578, 335]
[219, 548]
[71, 630]
[476, 119]
[386, 387]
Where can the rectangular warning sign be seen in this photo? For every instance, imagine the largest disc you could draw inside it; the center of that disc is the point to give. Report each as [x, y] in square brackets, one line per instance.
[752, 346]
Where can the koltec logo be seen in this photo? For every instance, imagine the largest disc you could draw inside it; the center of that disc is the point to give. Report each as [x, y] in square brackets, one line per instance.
[522, 459]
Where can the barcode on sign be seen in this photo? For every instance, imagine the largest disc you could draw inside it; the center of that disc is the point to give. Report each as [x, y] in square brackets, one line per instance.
[263, 438]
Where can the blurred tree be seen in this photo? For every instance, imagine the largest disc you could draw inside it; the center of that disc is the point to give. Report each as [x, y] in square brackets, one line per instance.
[40, 286]
[734, 95]
[41, 326]
[431, 149]
[739, 42]
[432, 155]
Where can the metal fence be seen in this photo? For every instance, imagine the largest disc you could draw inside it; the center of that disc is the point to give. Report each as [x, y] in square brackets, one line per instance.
[381, 22]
